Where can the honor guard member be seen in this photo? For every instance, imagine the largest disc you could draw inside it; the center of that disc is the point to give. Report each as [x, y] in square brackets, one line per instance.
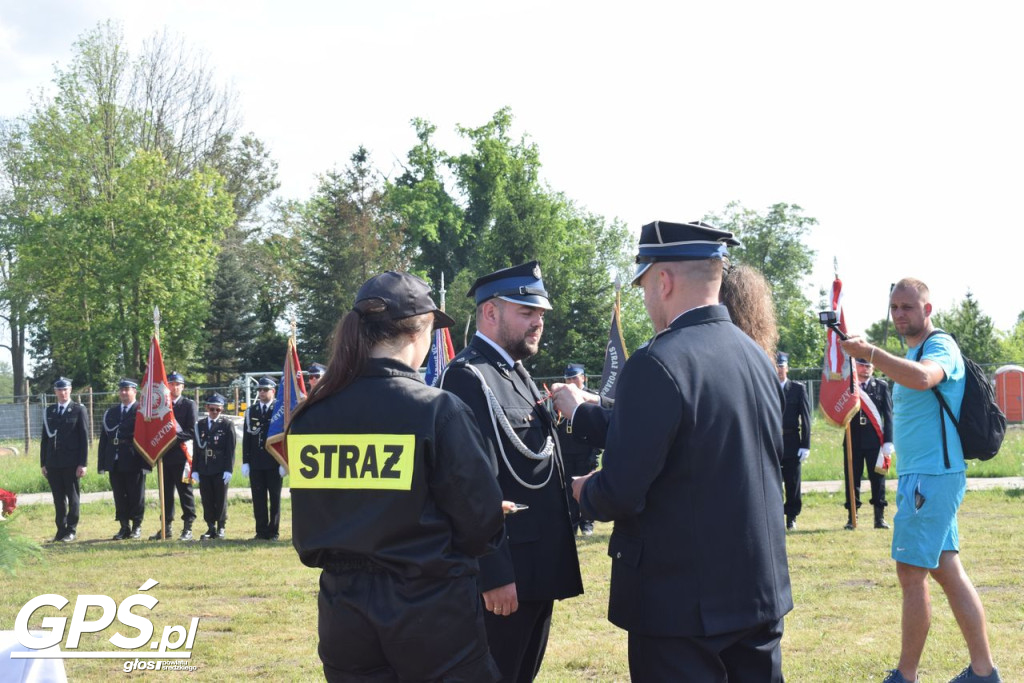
[63, 455]
[796, 437]
[127, 468]
[690, 476]
[264, 473]
[212, 464]
[536, 563]
[314, 374]
[393, 496]
[579, 457]
[175, 477]
[865, 441]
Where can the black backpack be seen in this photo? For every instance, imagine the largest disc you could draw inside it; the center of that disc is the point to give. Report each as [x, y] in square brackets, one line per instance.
[982, 425]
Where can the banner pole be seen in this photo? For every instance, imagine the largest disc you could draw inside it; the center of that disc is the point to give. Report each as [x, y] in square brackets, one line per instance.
[849, 477]
[160, 462]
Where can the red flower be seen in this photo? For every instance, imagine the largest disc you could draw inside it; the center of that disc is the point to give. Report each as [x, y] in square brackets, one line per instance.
[10, 501]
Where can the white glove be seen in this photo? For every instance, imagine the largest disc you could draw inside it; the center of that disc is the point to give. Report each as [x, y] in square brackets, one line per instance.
[887, 448]
[245, 469]
[281, 470]
[227, 477]
[195, 477]
[803, 454]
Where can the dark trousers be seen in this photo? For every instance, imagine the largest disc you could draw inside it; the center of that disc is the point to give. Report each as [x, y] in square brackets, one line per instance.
[214, 493]
[519, 640]
[791, 484]
[172, 483]
[64, 485]
[375, 626]
[129, 496]
[750, 655]
[860, 460]
[266, 484]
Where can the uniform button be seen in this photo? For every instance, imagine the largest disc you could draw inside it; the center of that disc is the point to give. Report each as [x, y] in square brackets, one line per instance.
[618, 556]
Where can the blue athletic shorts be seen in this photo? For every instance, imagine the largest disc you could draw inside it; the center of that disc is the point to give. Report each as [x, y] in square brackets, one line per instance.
[925, 522]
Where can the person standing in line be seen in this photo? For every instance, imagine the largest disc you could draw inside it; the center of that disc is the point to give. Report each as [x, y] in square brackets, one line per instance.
[397, 544]
[690, 475]
[926, 537]
[796, 437]
[264, 472]
[63, 456]
[866, 444]
[536, 563]
[175, 478]
[127, 468]
[213, 464]
[314, 374]
[579, 458]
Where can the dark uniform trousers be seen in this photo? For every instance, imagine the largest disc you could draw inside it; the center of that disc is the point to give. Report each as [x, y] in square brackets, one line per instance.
[539, 552]
[126, 467]
[62, 454]
[265, 479]
[174, 466]
[864, 440]
[580, 459]
[796, 434]
[214, 455]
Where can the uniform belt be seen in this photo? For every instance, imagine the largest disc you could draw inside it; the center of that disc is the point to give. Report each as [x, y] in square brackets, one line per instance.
[340, 563]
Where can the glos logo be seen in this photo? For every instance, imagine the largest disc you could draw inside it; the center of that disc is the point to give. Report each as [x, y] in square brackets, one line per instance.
[46, 646]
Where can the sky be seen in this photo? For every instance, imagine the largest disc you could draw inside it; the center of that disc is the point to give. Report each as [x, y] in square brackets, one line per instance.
[898, 126]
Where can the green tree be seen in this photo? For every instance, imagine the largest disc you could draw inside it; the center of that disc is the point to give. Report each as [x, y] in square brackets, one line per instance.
[974, 331]
[348, 233]
[773, 242]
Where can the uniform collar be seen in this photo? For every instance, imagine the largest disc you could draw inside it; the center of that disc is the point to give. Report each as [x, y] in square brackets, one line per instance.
[500, 351]
[494, 354]
[389, 367]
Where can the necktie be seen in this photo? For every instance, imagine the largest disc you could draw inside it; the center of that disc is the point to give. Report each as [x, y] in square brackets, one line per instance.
[124, 411]
[209, 424]
[60, 411]
[527, 380]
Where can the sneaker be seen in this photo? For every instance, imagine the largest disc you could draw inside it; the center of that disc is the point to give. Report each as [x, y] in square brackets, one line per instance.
[896, 677]
[968, 676]
[791, 523]
[68, 537]
[587, 528]
[186, 534]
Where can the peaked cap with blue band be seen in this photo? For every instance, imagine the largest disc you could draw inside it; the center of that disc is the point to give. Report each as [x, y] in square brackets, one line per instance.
[126, 383]
[694, 241]
[520, 284]
[62, 383]
[216, 400]
[175, 378]
[573, 370]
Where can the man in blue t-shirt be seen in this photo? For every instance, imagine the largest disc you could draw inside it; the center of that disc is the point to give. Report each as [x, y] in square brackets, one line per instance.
[925, 538]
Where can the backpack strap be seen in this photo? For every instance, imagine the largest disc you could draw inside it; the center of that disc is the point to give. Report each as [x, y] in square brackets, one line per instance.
[943, 406]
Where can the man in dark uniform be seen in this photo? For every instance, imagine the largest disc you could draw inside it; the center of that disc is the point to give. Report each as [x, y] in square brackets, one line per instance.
[536, 563]
[796, 437]
[579, 458]
[313, 375]
[63, 455]
[212, 465]
[127, 468]
[264, 472]
[690, 475]
[870, 436]
[175, 476]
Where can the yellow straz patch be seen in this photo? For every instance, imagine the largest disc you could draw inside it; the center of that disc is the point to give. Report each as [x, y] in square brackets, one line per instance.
[352, 461]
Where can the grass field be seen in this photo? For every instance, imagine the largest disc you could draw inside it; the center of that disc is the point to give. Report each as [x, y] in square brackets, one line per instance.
[257, 603]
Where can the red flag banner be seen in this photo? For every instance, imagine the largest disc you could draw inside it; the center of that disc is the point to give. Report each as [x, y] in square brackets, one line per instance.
[838, 396]
[155, 428]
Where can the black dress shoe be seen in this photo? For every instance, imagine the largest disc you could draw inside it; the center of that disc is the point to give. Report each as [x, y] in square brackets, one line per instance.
[157, 536]
[58, 536]
[881, 524]
[186, 535]
[791, 523]
[68, 537]
[210, 533]
[122, 534]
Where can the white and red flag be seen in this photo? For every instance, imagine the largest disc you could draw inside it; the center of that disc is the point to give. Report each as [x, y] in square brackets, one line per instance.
[155, 428]
[838, 396]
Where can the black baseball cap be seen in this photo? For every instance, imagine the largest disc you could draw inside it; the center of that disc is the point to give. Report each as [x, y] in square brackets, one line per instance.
[393, 295]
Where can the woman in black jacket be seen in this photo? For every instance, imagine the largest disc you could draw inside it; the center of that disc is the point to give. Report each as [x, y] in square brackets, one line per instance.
[394, 498]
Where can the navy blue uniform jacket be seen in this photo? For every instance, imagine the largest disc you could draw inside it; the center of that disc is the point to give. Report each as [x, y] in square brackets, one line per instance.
[69, 446]
[216, 454]
[796, 420]
[123, 432]
[185, 415]
[691, 476]
[864, 437]
[539, 551]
